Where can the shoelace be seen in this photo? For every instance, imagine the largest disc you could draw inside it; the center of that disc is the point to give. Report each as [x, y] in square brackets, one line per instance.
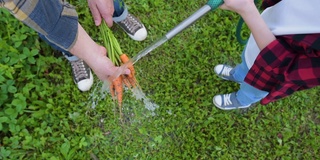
[227, 99]
[131, 23]
[79, 70]
[226, 71]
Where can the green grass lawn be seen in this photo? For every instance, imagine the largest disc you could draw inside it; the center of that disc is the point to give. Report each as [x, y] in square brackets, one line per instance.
[44, 116]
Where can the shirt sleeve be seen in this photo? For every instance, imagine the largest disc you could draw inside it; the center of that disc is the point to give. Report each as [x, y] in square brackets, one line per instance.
[309, 44]
[262, 73]
[285, 66]
[55, 19]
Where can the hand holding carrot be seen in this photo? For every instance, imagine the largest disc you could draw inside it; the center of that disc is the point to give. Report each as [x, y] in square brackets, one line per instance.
[117, 57]
[103, 67]
[94, 55]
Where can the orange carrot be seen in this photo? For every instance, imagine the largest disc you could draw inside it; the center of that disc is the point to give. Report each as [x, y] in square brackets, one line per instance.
[132, 81]
[131, 77]
[112, 90]
[124, 58]
[117, 83]
[126, 81]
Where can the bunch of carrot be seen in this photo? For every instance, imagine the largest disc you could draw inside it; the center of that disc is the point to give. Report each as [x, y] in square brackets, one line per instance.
[117, 57]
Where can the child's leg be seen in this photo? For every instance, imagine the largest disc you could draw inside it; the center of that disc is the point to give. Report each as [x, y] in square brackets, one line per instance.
[239, 72]
[247, 94]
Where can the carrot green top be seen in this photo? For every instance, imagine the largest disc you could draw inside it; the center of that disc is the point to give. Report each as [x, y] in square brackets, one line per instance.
[111, 44]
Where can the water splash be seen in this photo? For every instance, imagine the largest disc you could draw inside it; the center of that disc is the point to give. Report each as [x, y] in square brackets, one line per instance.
[97, 94]
[139, 95]
[101, 91]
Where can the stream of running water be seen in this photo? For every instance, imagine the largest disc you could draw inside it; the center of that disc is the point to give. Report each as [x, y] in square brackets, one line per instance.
[176, 30]
[139, 56]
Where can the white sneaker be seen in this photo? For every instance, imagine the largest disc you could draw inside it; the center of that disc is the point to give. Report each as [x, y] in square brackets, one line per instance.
[82, 75]
[133, 27]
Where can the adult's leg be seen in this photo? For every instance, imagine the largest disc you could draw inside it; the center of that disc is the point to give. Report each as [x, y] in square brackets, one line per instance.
[119, 8]
[129, 23]
[81, 72]
[66, 53]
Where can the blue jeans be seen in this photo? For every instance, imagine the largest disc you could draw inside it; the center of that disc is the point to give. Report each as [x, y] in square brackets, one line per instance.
[119, 7]
[247, 94]
[119, 14]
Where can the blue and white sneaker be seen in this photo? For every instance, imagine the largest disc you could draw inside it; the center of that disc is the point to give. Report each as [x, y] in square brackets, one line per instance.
[228, 102]
[225, 72]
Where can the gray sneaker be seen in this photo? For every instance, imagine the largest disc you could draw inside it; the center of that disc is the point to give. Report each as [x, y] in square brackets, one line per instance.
[227, 102]
[133, 27]
[225, 72]
[82, 75]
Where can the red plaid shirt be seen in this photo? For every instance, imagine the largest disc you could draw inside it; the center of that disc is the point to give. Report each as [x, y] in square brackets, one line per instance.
[288, 64]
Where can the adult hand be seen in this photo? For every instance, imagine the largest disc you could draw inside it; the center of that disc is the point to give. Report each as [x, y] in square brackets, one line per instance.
[104, 68]
[95, 56]
[101, 9]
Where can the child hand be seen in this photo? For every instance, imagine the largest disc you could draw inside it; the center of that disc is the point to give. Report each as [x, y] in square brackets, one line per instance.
[238, 6]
